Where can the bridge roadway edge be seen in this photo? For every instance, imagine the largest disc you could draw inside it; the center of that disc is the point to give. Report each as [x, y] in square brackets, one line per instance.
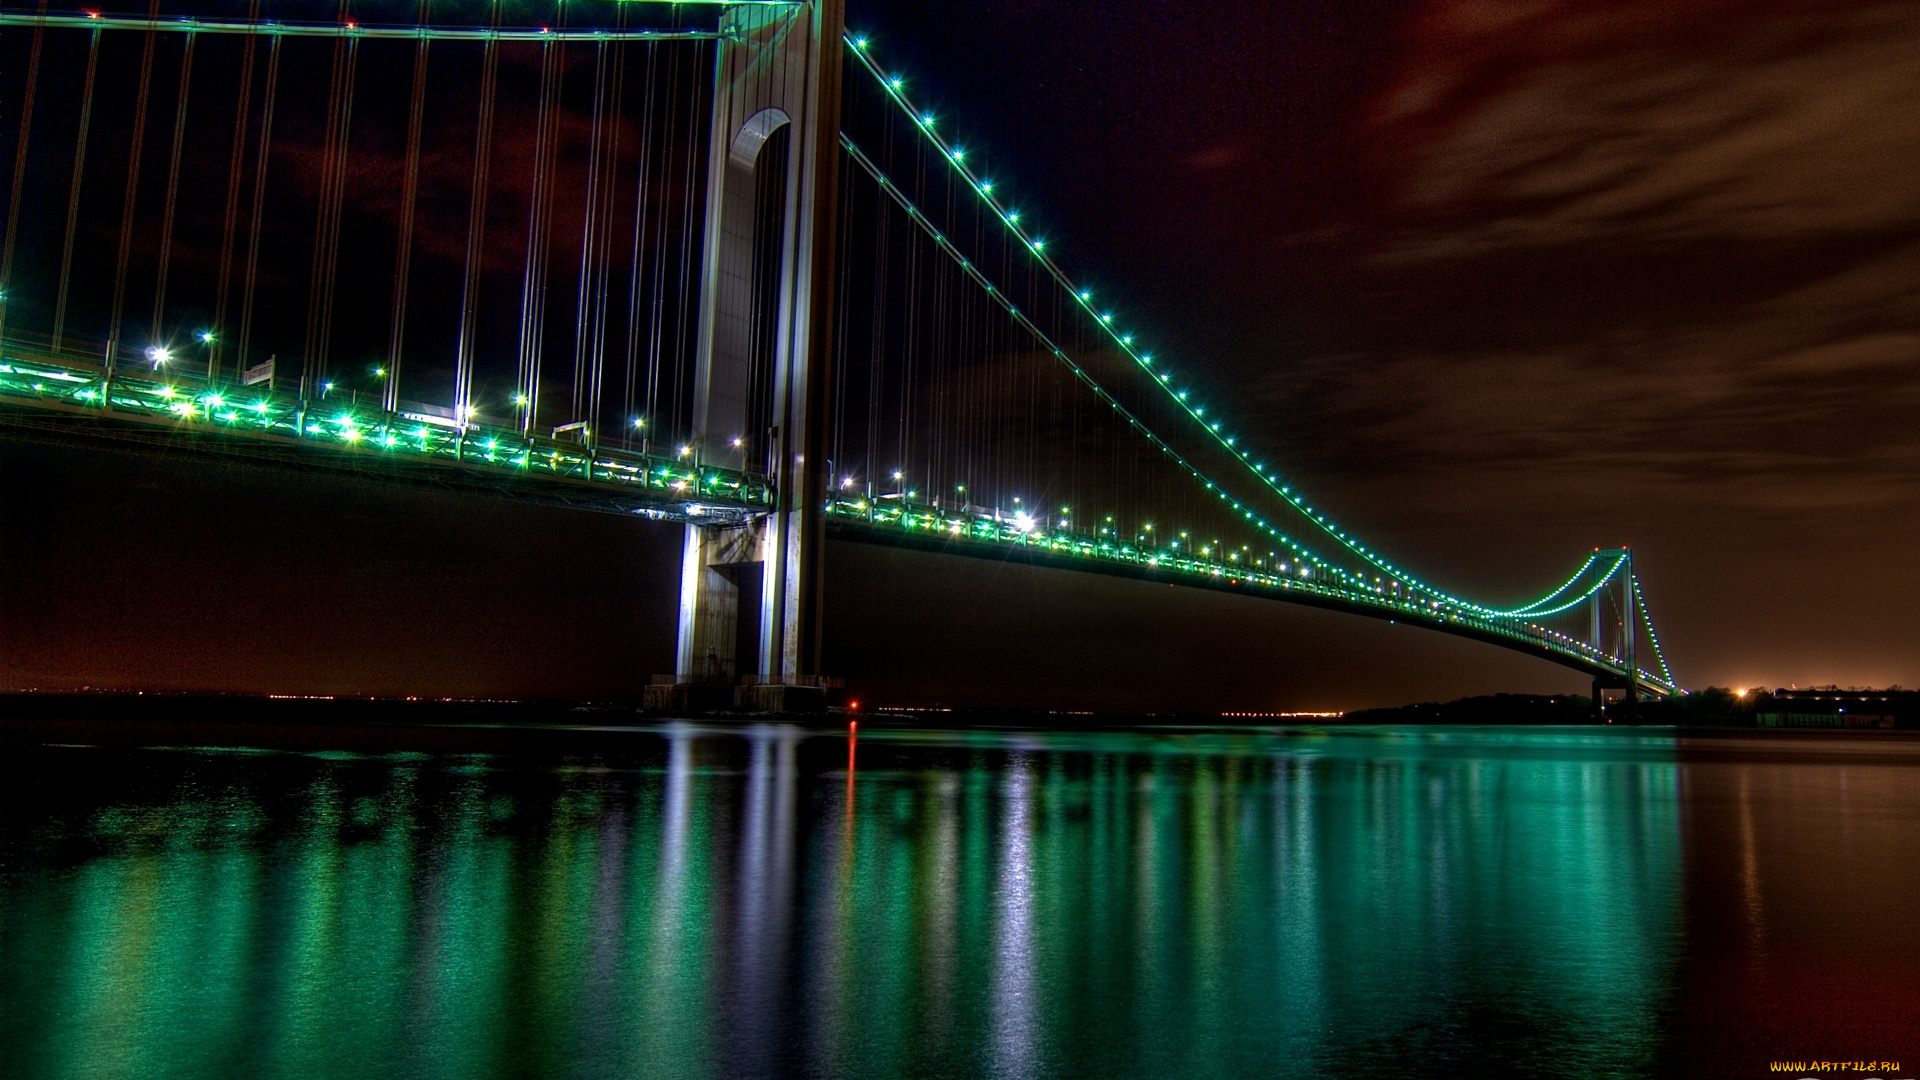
[91, 430]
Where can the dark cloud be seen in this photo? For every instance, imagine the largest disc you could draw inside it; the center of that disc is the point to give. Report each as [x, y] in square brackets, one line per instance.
[1648, 271]
[1570, 121]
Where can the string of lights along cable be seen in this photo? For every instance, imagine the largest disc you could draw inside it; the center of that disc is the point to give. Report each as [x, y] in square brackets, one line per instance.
[468, 243]
[1161, 451]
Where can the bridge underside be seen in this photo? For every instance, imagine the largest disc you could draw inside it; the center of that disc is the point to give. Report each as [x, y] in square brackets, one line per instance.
[1075, 556]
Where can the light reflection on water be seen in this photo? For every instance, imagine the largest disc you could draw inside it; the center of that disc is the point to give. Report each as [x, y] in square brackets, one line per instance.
[734, 902]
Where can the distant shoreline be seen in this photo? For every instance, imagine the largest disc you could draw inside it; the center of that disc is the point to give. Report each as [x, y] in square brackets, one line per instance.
[436, 726]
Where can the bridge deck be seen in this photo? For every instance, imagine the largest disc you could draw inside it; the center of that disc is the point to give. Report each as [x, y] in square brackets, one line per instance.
[983, 535]
[65, 398]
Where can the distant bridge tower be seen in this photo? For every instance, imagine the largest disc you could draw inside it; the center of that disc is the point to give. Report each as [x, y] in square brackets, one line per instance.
[750, 594]
[1613, 610]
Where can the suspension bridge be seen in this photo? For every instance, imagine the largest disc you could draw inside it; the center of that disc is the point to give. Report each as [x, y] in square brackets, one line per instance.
[711, 263]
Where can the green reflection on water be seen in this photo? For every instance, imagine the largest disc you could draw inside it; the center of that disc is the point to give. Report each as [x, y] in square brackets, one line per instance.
[737, 903]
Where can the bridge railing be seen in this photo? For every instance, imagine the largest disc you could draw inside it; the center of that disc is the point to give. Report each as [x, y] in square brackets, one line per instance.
[149, 393]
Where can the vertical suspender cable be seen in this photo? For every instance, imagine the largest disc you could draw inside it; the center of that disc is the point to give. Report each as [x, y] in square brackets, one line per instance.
[533, 279]
[173, 187]
[643, 169]
[688, 263]
[309, 369]
[326, 227]
[262, 156]
[843, 303]
[335, 211]
[409, 193]
[236, 161]
[604, 243]
[19, 170]
[656, 318]
[133, 186]
[525, 381]
[586, 358]
[909, 353]
[73, 192]
[603, 282]
[476, 233]
[877, 336]
[938, 331]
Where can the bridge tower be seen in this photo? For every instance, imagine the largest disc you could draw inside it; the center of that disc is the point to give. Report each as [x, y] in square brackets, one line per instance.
[1615, 608]
[750, 593]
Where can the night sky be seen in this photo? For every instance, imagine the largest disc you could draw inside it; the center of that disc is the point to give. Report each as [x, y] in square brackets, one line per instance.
[1500, 282]
[1494, 283]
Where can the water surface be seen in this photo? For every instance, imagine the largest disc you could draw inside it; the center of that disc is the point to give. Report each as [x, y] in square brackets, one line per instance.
[776, 901]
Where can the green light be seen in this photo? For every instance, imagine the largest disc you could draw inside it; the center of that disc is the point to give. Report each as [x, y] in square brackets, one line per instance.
[1268, 480]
